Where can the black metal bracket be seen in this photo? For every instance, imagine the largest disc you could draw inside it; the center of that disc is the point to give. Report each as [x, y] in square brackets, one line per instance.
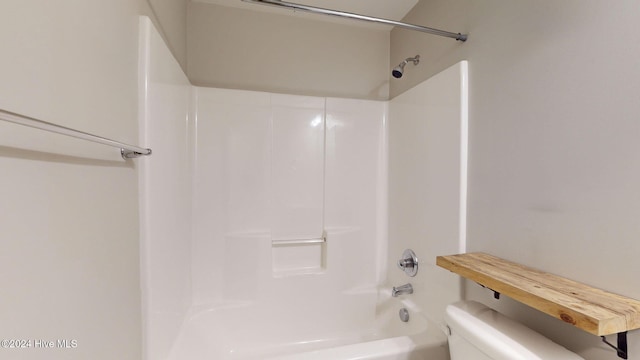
[622, 345]
[621, 349]
[496, 295]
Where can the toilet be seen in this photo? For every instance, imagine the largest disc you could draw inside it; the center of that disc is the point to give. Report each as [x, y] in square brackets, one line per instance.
[477, 332]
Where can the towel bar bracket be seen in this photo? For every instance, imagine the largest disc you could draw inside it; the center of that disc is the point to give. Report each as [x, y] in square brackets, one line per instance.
[132, 154]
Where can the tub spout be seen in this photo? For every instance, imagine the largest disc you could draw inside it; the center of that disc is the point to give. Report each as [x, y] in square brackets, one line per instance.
[404, 289]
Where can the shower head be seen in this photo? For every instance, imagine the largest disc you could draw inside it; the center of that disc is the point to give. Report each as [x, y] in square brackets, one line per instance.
[399, 70]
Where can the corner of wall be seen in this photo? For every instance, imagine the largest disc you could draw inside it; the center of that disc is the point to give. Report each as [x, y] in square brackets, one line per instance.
[171, 23]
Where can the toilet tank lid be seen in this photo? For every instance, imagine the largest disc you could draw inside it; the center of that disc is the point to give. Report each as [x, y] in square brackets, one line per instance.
[499, 336]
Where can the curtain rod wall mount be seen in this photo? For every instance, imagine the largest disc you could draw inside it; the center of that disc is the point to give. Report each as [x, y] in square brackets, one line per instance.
[342, 14]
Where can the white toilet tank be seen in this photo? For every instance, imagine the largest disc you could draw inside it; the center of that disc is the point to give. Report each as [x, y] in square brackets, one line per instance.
[481, 333]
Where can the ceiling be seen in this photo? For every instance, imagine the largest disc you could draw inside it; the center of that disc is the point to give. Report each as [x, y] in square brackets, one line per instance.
[387, 9]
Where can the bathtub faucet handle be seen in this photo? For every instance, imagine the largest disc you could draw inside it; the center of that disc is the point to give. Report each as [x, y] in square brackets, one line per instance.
[409, 263]
[405, 263]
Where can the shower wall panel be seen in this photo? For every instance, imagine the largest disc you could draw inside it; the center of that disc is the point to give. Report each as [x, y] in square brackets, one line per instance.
[232, 194]
[427, 183]
[298, 167]
[355, 186]
[165, 193]
[271, 166]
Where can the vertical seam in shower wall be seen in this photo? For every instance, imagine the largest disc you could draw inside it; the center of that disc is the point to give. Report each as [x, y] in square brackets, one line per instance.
[464, 153]
[143, 196]
[324, 168]
[194, 93]
[270, 185]
[382, 217]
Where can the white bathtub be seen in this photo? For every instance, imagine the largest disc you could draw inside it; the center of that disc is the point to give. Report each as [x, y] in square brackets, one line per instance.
[249, 332]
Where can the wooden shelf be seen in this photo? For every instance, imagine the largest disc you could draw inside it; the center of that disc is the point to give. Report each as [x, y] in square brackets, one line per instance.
[590, 309]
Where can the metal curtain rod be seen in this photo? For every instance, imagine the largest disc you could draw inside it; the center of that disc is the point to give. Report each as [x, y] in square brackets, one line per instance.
[317, 10]
[127, 151]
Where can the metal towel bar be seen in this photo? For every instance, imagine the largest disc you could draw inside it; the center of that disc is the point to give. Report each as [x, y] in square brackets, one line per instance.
[127, 151]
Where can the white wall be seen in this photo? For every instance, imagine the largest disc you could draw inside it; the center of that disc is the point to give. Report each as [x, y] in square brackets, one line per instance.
[165, 193]
[427, 185]
[69, 261]
[554, 164]
[249, 50]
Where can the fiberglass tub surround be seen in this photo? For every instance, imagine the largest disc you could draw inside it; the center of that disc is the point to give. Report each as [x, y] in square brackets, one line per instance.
[264, 220]
[287, 175]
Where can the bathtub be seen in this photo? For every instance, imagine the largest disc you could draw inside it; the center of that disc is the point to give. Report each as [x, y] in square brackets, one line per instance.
[241, 331]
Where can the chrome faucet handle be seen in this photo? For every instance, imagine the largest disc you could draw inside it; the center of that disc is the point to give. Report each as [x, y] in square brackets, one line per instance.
[409, 263]
[405, 263]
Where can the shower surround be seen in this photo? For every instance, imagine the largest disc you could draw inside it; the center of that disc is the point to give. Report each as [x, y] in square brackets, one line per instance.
[265, 218]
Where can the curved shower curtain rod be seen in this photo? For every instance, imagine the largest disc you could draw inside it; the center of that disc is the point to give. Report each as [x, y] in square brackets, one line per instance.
[317, 10]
